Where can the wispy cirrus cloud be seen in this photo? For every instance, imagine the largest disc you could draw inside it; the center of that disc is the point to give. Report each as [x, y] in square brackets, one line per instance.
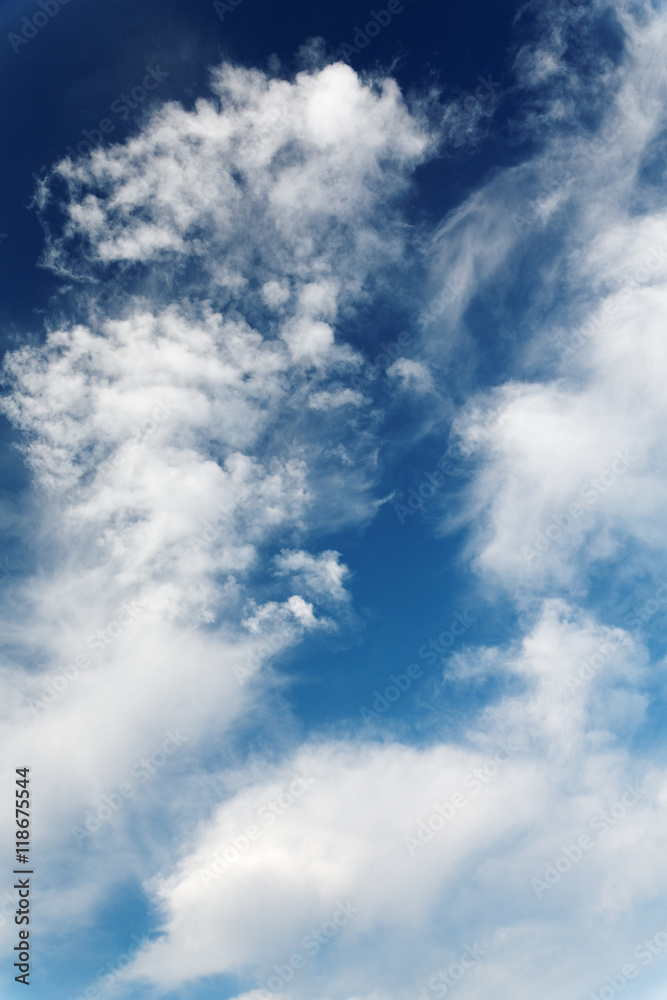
[569, 445]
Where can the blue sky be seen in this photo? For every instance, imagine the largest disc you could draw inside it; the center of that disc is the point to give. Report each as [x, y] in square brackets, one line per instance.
[332, 501]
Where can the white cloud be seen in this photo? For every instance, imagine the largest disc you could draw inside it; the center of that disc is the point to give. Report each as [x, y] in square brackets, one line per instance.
[322, 574]
[336, 398]
[165, 437]
[187, 480]
[255, 881]
[275, 294]
[571, 463]
[266, 156]
[411, 375]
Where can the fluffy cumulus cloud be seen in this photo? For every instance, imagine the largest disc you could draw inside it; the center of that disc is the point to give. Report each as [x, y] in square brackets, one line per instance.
[307, 170]
[164, 430]
[324, 875]
[193, 434]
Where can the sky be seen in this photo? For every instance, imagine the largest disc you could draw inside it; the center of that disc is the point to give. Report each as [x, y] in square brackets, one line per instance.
[332, 446]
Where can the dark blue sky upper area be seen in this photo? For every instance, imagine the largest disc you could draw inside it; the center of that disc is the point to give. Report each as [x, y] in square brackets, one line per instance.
[75, 70]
